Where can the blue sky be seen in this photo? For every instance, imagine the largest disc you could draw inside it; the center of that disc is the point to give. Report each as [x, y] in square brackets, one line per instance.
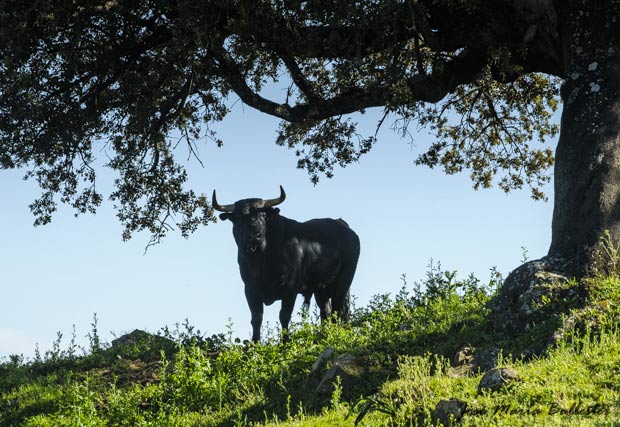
[59, 275]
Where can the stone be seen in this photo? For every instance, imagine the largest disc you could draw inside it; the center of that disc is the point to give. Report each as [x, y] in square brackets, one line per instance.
[326, 385]
[449, 412]
[470, 361]
[464, 356]
[348, 368]
[532, 293]
[134, 337]
[139, 344]
[321, 362]
[318, 368]
[351, 364]
[496, 379]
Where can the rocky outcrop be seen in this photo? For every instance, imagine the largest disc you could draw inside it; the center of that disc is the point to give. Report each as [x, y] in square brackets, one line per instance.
[132, 338]
[347, 369]
[322, 361]
[139, 344]
[329, 369]
[449, 412]
[496, 379]
[318, 368]
[536, 291]
[470, 361]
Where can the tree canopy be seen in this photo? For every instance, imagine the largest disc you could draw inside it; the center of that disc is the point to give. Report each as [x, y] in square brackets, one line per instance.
[142, 78]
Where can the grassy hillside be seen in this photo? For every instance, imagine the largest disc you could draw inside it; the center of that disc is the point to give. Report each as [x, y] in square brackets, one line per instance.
[391, 366]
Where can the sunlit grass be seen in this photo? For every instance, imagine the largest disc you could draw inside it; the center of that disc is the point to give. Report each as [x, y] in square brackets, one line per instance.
[406, 341]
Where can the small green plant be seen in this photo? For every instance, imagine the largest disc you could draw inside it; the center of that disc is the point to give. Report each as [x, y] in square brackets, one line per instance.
[524, 255]
[93, 336]
[607, 257]
[377, 403]
[336, 398]
[404, 342]
[409, 399]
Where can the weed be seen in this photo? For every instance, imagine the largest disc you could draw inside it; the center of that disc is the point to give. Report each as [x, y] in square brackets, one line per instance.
[607, 257]
[93, 336]
[405, 341]
[524, 255]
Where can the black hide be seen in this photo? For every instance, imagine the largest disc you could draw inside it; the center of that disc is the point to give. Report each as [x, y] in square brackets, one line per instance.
[280, 258]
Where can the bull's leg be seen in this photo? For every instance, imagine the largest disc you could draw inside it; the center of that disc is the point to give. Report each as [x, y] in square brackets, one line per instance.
[256, 309]
[340, 286]
[342, 283]
[286, 311]
[306, 306]
[340, 304]
[325, 306]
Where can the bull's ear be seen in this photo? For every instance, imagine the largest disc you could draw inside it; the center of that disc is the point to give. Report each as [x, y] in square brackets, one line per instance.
[273, 212]
[226, 216]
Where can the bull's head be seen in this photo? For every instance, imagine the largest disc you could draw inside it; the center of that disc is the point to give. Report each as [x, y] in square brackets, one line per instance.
[249, 218]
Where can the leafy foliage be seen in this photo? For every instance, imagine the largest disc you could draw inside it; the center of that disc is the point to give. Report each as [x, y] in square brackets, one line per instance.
[607, 257]
[322, 145]
[182, 377]
[142, 83]
[491, 130]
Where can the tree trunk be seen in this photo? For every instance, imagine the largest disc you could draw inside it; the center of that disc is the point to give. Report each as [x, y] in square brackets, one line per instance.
[586, 175]
[587, 168]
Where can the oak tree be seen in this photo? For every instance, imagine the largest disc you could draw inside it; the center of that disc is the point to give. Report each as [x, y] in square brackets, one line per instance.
[141, 77]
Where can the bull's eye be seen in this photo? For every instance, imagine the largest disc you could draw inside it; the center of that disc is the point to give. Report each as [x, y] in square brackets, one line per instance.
[256, 215]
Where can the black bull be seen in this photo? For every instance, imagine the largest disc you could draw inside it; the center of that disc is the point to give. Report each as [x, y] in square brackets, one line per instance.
[280, 258]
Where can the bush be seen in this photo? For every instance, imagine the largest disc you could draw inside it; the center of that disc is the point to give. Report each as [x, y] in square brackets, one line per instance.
[183, 378]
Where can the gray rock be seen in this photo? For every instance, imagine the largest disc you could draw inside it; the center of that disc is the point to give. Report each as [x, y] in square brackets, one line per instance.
[321, 362]
[581, 320]
[464, 356]
[318, 368]
[132, 338]
[449, 412]
[470, 361]
[348, 368]
[496, 379]
[326, 385]
[353, 365]
[532, 293]
[139, 344]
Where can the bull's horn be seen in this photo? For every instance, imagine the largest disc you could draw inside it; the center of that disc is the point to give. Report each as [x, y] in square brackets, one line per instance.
[274, 202]
[221, 208]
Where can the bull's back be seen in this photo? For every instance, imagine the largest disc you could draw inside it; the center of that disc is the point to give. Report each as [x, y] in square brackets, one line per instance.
[316, 253]
[335, 234]
[328, 229]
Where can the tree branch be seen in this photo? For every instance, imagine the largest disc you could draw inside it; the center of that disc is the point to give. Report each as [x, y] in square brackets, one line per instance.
[427, 88]
[298, 77]
[442, 26]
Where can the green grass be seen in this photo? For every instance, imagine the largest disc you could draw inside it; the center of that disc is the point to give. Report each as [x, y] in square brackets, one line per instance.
[405, 342]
